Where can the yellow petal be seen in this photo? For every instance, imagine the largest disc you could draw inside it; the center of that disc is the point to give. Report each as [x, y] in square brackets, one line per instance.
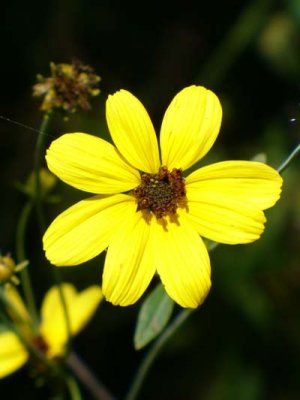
[132, 131]
[52, 302]
[91, 164]
[85, 229]
[84, 307]
[13, 354]
[80, 307]
[226, 199]
[129, 265]
[182, 263]
[190, 127]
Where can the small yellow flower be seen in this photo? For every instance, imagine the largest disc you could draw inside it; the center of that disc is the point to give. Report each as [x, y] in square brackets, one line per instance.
[53, 333]
[149, 216]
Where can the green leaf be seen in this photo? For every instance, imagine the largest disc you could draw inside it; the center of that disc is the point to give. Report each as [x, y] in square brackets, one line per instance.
[153, 317]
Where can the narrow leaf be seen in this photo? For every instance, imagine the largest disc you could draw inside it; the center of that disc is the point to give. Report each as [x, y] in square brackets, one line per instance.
[153, 317]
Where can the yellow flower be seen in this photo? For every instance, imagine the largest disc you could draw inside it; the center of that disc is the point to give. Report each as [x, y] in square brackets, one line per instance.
[152, 221]
[53, 334]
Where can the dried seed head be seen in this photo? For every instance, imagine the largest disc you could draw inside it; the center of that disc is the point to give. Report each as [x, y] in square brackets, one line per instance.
[69, 87]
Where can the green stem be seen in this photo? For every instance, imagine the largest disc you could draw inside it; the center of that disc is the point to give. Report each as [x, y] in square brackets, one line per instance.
[21, 256]
[38, 161]
[289, 159]
[248, 23]
[21, 229]
[153, 352]
[74, 390]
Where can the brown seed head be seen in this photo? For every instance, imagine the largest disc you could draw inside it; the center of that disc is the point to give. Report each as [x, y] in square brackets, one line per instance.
[69, 87]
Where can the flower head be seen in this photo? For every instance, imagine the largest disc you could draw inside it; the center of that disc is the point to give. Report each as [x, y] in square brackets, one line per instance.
[69, 87]
[52, 337]
[149, 215]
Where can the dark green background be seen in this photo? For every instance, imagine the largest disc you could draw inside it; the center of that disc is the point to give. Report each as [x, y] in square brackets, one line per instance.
[244, 342]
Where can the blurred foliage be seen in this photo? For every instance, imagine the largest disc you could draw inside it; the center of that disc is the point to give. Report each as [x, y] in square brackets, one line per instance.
[244, 342]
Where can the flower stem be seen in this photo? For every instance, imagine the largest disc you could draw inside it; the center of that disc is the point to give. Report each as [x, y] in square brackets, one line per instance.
[85, 375]
[22, 224]
[73, 388]
[39, 154]
[289, 159]
[153, 352]
[21, 256]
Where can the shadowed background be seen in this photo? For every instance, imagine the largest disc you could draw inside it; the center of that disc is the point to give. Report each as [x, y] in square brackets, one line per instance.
[244, 342]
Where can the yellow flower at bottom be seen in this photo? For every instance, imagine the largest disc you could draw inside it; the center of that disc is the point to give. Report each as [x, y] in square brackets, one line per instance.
[53, 333]
[149, 215]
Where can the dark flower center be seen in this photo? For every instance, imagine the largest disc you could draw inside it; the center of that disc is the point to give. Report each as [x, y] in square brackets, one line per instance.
[161, 193]
[40, 343]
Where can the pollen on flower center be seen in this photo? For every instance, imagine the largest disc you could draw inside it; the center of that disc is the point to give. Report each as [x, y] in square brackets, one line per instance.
[161, 193]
